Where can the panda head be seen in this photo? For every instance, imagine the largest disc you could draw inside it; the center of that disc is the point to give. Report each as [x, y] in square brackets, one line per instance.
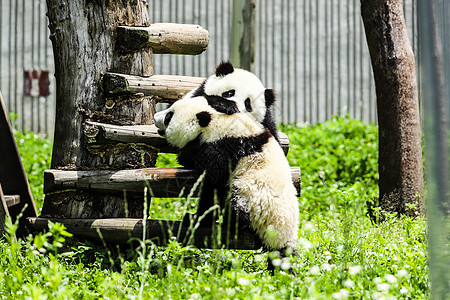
[236, 87]
[192, 118]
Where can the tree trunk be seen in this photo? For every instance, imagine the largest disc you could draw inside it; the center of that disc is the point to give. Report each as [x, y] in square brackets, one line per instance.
[83, 35]
[400, 151]
[242, 49]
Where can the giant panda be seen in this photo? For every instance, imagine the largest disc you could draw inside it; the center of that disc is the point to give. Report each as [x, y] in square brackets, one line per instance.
[231, 90]
[245, 167]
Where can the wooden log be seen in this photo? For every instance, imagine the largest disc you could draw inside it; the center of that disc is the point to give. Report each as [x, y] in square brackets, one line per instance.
[12, 200]
[165, 88]
[163, 182]
[122, 230]
[98, 133]
[163, 38]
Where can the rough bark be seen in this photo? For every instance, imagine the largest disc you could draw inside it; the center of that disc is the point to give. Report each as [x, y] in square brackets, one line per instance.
[400, 152]
[83, 36]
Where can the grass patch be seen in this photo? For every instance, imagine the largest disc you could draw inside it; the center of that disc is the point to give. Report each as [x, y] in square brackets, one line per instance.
[342, 253]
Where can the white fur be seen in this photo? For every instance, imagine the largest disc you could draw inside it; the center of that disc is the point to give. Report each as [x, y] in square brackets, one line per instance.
[262, 180]
[264, 185]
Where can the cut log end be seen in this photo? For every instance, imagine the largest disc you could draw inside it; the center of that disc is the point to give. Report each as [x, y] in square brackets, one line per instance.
[164, 38]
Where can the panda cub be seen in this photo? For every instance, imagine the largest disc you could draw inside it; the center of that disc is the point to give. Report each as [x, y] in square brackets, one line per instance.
[231, 90]
[245, 168]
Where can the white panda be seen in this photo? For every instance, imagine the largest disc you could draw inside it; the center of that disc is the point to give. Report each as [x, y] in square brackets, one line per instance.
[231, 90]
[245, 167]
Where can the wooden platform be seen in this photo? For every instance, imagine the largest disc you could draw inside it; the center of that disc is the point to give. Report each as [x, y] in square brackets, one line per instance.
[122, 230]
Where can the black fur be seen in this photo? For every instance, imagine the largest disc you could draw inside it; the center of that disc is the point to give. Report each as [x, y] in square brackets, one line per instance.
[229, 94]
[219, 103]
[269, 97]
[224, 68]
[168, 117]
[248, 105]
[270, 124]
[200, 91]
[204, 118]
[219, 159]
[222, 105]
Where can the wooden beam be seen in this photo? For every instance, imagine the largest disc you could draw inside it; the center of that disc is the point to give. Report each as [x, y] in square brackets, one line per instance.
[163, 38]
[121, 230]
[98, 133]
[12, 200]
[165, 88]
[163, 182]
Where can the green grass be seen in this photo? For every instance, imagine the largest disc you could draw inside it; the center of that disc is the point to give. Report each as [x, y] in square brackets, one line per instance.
[342, 253]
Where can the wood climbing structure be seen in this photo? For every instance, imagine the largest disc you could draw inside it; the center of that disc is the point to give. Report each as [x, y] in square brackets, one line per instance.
[105, 144]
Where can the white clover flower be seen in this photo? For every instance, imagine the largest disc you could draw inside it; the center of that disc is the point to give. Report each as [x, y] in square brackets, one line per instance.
[402, 273]
[195, 296]
[285, 264]
[349, 283]
[377, 296]
[390, 278]
[308, 226]
[340, 248]
[353, 270]
[276, 262]
[404, 290]
[315, 270]
[259, 258]
[383, 287]
[377, 280]
[305, 244]
[327, 255]
[342, 294]
[326, 267]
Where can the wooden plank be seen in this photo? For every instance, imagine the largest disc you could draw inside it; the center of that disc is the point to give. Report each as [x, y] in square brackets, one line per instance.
[165, 88]
[12, 174]
[163, 38]
[12, 200]
[121, 230]
[163, 182]
[4, 212]
[98, 133]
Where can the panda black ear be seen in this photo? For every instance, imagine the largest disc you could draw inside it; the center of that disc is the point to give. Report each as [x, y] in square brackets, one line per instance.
[269, 96]
[204, 118]
[224, 68]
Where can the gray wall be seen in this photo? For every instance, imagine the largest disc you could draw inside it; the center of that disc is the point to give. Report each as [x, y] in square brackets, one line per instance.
[313, 53]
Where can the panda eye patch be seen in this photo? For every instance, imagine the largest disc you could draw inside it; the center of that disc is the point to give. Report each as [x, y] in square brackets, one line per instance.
[228, 94]
[168, 117]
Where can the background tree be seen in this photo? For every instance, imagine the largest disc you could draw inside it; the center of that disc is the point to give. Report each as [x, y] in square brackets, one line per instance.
[400, 151]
